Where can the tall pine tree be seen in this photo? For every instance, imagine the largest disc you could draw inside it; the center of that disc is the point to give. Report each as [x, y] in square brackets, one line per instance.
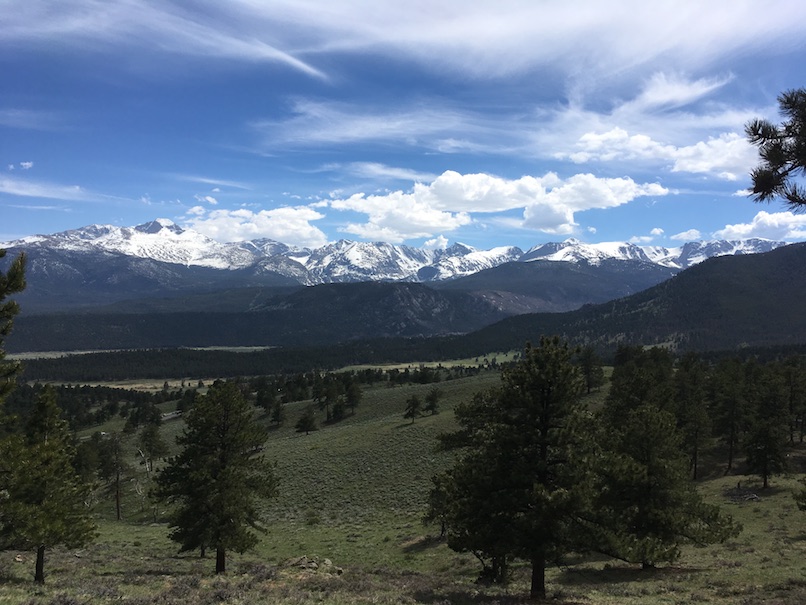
[219, 479]
[519, 489]
[44, 496]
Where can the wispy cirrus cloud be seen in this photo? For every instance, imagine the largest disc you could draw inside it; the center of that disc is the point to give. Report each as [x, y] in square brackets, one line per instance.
[215, 182]
[232, 32]
[30, 119]
[39, 189]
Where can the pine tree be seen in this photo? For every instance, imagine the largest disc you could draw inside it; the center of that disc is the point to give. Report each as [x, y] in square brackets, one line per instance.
[519, 489]
[306, 422]
[44, 496]
[591, 365]
[11, 282]
[767, 436]
[646, 505]
[432, 400]
[114, 468]
[729, 405]
[691, 407]
[219, 479]
[414, 407]
[782, 150]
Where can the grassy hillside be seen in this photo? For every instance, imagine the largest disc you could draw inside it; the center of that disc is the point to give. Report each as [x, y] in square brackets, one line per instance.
[353, 494]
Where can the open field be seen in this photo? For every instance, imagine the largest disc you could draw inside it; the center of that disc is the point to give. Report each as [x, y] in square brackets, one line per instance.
[351, 499]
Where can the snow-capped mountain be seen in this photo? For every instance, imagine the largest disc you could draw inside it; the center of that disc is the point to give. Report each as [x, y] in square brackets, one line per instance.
[681, 257]
[346, 261]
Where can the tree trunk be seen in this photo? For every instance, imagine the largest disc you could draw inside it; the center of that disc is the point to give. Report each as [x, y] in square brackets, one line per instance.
[220, 560]
[39, 574]
[117, 494]
[538, 589]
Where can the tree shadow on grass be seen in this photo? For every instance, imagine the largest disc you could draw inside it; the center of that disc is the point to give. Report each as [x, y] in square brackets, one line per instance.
[622, 574]
[422, 543]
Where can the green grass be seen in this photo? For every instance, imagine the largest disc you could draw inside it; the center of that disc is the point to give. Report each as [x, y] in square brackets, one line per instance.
[353, 493]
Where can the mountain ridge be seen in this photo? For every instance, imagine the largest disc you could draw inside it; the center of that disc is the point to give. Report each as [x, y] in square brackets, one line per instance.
[163, 240]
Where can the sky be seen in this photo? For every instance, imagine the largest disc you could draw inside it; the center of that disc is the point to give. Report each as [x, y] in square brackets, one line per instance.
[514, 122]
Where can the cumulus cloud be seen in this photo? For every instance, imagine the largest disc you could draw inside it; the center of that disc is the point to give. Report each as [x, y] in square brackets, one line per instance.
[690, 235]
[438, 243]
[206, 198]
[776, 226]
[447, 203]
[290, 225]
[26, 165]
[647, 239]
[728, 155]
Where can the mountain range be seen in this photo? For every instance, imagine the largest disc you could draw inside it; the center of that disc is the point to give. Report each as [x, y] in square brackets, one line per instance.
[158, 285]
[100, 265]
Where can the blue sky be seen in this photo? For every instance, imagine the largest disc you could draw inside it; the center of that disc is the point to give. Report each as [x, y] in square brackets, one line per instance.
[421, 122]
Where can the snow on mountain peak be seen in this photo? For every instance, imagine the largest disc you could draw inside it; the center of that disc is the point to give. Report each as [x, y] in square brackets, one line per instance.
[345, 260]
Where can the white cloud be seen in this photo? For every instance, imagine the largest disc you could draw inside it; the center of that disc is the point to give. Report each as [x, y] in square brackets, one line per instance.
[26, 165]
[26, 188]
[11, 167]
[776, 226]
[728, 156]
[687, 236]
[206, 198]
[290, 225]
[438, 243]
[473, 39]
[191, 178]
[376, 170]
[29, 119]
[671, 90]
[548, 203]
[398, 216]
[318, 123]
[647, 239]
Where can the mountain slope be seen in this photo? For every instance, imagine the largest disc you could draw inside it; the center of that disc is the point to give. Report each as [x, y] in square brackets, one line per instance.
[721, 303]
[313, 316]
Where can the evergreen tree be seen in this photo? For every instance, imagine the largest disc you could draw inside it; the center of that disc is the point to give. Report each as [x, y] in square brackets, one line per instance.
[794, 376]
[782, 150]
[414, 407]
[306, 422]
[591, 366]
[691, 407]
[640, 377]
[432, 400]
[520, 488]
[353, 395]
[766, 441]
[219, 479]
[277, 412]
[151, 446]
[12, 281]
[647, 506]
[44, 496]
[729, 405]
[113, 468]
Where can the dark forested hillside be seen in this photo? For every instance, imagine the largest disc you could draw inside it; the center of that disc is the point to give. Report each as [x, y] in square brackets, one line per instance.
[557, 286]
[314, 316]
[722, 303]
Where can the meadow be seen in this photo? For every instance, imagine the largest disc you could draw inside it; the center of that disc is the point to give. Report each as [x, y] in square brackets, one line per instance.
[346, 528]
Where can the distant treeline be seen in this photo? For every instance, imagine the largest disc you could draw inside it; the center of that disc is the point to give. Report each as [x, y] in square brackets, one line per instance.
[203, 363]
